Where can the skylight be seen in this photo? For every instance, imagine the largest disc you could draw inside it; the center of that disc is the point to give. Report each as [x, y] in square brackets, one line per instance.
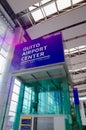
[74, 50]
[76, 70]
[31, 8]
[34, 6]
[82, 98]
[76, 1]
[83, 46]
[45, 1]
[37, 15]
[50, 9]
[62, 4]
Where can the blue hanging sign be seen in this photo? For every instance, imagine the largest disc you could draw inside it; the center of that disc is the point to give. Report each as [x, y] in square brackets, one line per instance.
[76, 97]
[39, 52]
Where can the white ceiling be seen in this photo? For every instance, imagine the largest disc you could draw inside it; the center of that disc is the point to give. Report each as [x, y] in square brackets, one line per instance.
[20, 5]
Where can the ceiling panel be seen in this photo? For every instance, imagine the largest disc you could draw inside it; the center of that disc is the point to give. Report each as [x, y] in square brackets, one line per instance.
[41, 75]
[78, 59]
[79, 76]
[76, 42]
[58, 71]
[82, 94]
[79, 81]
[74, 31]
[83, 86]
[27, 77]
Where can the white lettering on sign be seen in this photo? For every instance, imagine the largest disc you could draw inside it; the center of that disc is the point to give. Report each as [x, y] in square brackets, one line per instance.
[33, 52]
[31, 47]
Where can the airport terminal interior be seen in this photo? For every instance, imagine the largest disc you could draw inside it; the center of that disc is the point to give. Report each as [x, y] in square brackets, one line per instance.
[42, 64]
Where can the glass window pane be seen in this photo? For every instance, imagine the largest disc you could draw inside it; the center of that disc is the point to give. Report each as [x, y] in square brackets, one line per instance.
[26, 95]
[45, 1]
[37, 15]
[25, 110]
[13, 106]
[76, 1]
[6, 46]
[26, 89]
[50, 9]
[14, 97]
[1, 41]
[25, 103]
[9, 36]
[16, 89]
[2, 63]
[1, 78]
[3, 52]
[31, 8]
[12, 119]
[2, 30]
[17, 82]
[62, 4]
[1, 22]
[11, 113]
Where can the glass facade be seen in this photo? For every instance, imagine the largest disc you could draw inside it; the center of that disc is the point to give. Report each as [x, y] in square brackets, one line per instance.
[46, 97]
[13, 104]
[50, 96]
[6, 38]
[9, 88]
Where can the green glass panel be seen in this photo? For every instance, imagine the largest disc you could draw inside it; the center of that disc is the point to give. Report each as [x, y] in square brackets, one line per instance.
[50, 96]
[47, 96]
